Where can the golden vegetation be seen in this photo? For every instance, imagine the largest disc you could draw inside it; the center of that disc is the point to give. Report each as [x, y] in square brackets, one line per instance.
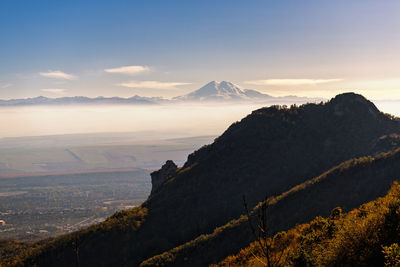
[367, 236]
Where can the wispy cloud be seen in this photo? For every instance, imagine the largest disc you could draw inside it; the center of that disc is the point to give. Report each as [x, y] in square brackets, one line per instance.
[291, 82]
[54, 90]
[391, 83]
[4, 86]
[152, 84]
[129, 70]
[58, 75]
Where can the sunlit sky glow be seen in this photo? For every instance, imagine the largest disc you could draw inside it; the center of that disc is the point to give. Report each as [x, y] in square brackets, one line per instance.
[167, 48]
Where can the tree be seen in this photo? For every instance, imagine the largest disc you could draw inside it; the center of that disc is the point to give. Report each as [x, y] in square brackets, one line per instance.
[260, 231]
[75, 246]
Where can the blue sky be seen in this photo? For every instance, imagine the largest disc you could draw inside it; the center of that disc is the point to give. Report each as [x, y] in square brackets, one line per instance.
[313, 48]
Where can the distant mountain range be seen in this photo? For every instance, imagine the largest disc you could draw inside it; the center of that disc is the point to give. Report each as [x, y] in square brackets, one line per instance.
[41, 100]
[211, 92]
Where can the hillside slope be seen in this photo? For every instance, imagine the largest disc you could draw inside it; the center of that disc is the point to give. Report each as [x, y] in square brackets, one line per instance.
[347, 185]
[367, 236]
[267, 153]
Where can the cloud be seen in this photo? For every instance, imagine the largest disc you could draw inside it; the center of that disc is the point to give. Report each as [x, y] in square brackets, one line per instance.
[58, 75]
[4, 86]
[129, 70]
[291, 82]
[390, 83]
[54, 90]
[152, 84]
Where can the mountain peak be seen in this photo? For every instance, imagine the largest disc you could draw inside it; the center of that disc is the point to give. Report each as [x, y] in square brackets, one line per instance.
[212, 83]
[223, 86]
[224, 91]
[215, 90]
[162, 175]
[217, 83]
[352, 103]
[349, 97]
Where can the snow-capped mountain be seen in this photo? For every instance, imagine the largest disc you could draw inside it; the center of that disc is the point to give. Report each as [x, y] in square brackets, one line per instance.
[216, 91]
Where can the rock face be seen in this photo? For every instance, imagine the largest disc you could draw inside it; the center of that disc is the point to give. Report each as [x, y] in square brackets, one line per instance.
[159, 177]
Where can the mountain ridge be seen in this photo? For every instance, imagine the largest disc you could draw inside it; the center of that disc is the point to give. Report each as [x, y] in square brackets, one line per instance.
[211, 92]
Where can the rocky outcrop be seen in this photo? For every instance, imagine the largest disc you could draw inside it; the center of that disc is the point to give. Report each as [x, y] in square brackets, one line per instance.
[351, 103]
[159, 177]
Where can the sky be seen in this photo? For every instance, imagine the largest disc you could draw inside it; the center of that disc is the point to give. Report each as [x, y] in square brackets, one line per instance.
[313, 48]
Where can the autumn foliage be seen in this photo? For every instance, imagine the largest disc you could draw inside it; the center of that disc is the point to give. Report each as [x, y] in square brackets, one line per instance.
[366, 236]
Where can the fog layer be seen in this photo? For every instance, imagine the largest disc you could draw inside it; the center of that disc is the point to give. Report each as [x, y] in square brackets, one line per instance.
[182, 120]
[177, 120]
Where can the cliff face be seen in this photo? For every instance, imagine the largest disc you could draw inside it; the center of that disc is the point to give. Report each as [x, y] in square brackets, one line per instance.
[158, 178]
